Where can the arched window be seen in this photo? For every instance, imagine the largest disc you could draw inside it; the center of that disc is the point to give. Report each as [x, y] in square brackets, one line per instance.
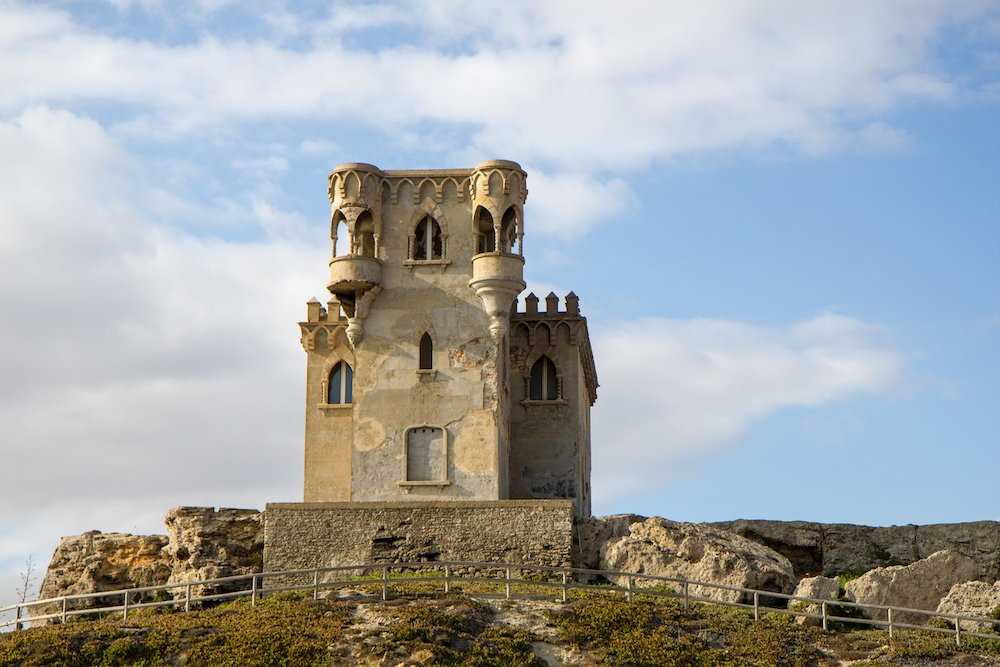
[508, 230]
[365, 229]
[485, 239]
[426, 352]
[427, 242]
[339, 240]
[544, 386]
[339, 388]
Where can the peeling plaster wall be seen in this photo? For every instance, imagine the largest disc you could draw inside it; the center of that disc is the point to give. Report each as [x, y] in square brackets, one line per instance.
[359, 453]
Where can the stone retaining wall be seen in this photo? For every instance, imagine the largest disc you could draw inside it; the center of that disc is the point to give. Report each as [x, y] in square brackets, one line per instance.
[306, 535]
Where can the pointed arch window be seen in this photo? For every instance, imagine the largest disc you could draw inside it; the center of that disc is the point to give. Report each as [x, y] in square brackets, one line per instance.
[485, 234]
[508, 230]
[428, 243]
[426, 352]
[339, 388]
[543, 385]
[365, 242]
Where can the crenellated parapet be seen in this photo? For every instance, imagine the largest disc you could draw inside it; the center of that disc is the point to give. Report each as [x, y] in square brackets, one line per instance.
[331, 321]
[547, 328]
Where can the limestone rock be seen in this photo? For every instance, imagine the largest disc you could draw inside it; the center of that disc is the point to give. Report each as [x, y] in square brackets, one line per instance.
[820, 588]
[208, 543]
[96, 561]
[597, 531]
[974, 598]
[920, 585]
[834, 549]
[697, 552]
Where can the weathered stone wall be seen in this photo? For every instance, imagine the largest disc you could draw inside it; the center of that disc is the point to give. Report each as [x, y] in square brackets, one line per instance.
[358, 452]
[550, 440]
[832, 549]
[306, 535]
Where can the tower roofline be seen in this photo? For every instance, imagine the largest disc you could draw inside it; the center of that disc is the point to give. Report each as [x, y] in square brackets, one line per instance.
[403, 173]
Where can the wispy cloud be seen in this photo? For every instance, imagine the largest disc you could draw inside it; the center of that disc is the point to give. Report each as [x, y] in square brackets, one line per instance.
[584, 90]
[672, 389]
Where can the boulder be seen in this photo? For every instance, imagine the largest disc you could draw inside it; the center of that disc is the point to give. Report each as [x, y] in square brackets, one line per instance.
[96, 561]
[698, 553]
[209, 543]
[920, 585]
[974, 598]
[818, 588]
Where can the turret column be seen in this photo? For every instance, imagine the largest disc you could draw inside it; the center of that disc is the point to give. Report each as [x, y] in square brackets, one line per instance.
[498, 188]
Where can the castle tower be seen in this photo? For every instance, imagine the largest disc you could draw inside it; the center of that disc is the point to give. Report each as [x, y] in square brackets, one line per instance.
[411, 388]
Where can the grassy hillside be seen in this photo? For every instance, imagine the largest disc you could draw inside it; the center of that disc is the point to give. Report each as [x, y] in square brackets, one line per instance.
[458, 630]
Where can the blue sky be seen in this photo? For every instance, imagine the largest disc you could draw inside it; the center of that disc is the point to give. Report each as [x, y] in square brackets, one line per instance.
[782, 219]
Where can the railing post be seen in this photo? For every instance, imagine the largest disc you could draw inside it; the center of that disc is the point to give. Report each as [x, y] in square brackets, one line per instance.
[64, 611]
[685, 595]
[506, 586]
[958, 632]
[385, 584]
[316, 585]
[890, 623]
[628, 589]
[253, 591]
[823, 607]
[17, 619]
[564, 587]
[447, 579]
[125, 608]
[187, 598]
[756, 606]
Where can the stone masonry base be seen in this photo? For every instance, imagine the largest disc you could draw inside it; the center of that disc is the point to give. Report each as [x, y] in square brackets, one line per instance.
[307, 535]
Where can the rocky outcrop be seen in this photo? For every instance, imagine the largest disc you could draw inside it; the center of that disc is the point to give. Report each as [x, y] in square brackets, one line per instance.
[834, 549]
[921, 585]
[974, 598]
[202, 543]
[597, 531]
[818, 588]
[699, 553]
[208, 543]
[96, 561]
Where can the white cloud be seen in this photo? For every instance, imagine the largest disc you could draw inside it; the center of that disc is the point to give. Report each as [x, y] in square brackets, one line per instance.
[318, 147]
[569, 204]
[142, 367]
[605, 87]
[676, 388]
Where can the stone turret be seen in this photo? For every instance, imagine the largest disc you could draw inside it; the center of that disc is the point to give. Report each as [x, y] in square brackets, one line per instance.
[356, 209]
[498, 192]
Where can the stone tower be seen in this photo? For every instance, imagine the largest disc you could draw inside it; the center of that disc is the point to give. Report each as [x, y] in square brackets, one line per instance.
[423, 383]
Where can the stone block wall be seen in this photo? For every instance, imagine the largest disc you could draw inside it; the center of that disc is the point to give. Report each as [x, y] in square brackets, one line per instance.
[306, 535]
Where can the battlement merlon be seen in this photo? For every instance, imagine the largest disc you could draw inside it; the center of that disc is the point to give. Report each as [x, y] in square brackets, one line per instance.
[530, 317]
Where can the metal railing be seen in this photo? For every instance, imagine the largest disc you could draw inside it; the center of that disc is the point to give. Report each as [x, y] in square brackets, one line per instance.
[447, 572]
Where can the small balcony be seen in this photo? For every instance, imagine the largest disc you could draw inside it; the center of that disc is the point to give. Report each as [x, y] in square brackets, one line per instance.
[498, 266]
[351, 273]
